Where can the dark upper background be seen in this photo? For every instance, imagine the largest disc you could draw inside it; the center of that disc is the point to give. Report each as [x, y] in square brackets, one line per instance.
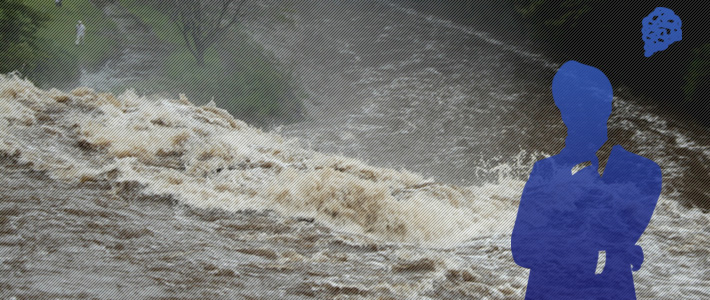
[602, 33]
[606, 34]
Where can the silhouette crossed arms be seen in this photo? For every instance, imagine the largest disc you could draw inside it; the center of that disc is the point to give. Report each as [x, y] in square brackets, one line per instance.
[565, 219]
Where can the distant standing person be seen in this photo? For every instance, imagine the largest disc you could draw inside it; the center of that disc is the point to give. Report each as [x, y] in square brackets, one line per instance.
[80, 32]
[58, 3]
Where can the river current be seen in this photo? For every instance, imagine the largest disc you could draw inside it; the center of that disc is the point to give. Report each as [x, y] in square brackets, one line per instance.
[402, 183]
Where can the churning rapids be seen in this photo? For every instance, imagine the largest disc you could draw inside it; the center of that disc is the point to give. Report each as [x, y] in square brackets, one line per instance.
[122, 196]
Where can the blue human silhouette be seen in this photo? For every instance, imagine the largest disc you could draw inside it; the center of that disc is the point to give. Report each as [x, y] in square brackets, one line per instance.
[564, 220]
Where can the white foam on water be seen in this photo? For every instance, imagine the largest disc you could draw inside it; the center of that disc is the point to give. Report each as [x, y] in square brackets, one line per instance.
[205, 158]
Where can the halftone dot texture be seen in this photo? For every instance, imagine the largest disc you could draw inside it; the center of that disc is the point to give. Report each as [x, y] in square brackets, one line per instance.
[389, 84]
[660, 29]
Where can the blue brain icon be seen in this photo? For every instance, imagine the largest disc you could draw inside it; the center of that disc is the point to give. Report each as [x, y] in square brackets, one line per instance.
[660, 29]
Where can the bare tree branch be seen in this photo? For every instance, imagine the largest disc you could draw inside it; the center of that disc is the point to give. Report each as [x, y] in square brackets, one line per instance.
[202, 22]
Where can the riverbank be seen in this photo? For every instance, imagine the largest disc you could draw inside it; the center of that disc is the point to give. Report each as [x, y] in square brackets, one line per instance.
[62, 68]
[133, 45]
[238, 75]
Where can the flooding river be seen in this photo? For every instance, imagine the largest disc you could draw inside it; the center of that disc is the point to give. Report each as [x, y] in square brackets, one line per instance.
[402, 184]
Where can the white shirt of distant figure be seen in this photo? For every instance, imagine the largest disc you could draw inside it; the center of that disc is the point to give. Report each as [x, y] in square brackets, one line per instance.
[80, 32]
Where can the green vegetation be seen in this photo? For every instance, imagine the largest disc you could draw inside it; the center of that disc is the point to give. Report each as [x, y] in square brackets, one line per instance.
[19, 45]
[63, 58]
[236, 73]
[158, 20]
[556, 20]
[697, 79]
[38, 39]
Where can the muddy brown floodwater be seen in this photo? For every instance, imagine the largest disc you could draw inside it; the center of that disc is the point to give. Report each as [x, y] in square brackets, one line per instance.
[88, 213]
[109, 241]
[402, 184]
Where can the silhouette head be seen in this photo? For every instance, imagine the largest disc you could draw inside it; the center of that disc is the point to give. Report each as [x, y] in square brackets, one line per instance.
[584, 95]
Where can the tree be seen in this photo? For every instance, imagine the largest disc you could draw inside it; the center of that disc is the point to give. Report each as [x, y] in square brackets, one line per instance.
[19, 49]
[202, 22]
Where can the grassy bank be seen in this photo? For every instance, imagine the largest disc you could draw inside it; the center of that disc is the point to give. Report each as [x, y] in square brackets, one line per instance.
[237, 74]
[65, 58]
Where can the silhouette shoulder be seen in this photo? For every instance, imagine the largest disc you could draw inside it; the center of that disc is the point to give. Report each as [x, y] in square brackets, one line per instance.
[624, 166]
